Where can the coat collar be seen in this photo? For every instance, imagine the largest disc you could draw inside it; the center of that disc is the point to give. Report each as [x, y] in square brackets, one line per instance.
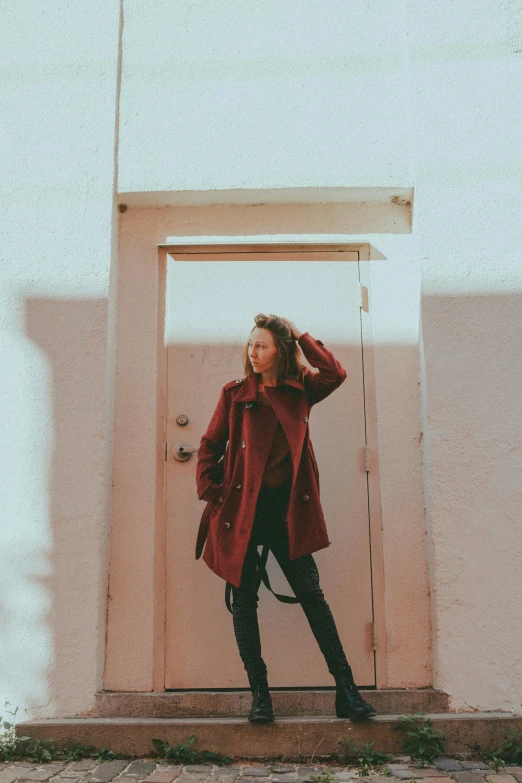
[248, 391]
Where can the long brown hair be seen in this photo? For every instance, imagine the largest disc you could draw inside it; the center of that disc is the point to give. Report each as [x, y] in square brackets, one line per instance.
[288, 355]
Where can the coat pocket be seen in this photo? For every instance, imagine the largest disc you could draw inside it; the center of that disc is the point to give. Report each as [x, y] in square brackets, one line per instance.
[219, 498]
[203, 530]
[213, 494]
[314, 465]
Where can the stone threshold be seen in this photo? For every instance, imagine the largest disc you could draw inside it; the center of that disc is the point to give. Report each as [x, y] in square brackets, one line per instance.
[289, 703]
[291, 737]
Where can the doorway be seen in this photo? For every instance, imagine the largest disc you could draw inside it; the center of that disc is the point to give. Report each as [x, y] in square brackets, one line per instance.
[210, 301]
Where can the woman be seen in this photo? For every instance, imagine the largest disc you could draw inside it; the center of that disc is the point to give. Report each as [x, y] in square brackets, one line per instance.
[257, 471]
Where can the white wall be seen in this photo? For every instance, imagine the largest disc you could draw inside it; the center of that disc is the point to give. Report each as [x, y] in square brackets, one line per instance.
[373, 95]
[466, 82]
[369, 95]
[59, 90]
[263, 94]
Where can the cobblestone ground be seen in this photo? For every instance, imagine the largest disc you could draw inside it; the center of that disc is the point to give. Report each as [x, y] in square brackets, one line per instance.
[443, 770]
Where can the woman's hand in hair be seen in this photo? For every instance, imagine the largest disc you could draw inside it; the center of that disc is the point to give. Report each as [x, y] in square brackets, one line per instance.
[296, 334]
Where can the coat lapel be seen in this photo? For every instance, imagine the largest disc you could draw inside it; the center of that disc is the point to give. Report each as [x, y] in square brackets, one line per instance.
[248, 390]
[290, 410]
[291, 414]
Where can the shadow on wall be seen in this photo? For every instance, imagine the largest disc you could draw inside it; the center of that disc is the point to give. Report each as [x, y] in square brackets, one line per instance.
[473, 379]
[73, 336]
[473, 366]
[473, 355]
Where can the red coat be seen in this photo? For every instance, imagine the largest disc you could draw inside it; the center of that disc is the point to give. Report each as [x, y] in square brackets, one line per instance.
[229, 478]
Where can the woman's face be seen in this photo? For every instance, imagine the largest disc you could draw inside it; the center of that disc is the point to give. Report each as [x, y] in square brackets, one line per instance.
[262, 350]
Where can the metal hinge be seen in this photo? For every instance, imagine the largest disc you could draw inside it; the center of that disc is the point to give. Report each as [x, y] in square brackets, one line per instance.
[374, 637]
[367, 459]
[166, 452]
[363, 297]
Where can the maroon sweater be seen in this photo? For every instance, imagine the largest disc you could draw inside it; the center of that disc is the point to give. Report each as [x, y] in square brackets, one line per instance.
[278, 468]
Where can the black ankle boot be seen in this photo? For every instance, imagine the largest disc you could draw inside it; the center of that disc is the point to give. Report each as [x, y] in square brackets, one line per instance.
[348, 701]
[261, 710]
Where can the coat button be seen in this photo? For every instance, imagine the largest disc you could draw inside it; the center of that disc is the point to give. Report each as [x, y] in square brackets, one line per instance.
[227, 526]
[238, 485]
[243, 444]
[305, 418]
[221, 499]
[305, 498]
[248, 405]
[239, 380]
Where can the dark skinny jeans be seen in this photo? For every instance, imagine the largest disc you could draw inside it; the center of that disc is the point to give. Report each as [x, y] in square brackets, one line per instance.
[303, 577]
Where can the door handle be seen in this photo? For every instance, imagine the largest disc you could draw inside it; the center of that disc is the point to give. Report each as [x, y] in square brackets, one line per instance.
[182, 452]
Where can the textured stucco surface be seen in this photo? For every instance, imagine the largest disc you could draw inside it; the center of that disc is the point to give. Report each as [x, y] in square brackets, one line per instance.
[263, 95]
[59, 87]
[371, 95]
[466, 79]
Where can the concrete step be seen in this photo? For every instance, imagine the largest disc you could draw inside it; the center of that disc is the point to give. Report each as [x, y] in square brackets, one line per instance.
[294, 737]
[228, 704]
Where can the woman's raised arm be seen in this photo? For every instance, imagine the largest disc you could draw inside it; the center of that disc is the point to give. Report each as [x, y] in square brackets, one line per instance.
[331, 372]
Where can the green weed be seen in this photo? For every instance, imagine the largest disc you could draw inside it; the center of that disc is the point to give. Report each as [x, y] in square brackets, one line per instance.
[102, 754]
[11, 746]
[14, 747]
[366, 755]
[422, 741]
[325, 777]
[41, 750]
[510, 752]
[186, 753]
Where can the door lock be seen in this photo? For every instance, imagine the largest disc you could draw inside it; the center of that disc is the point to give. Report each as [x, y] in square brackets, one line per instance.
[182, 419]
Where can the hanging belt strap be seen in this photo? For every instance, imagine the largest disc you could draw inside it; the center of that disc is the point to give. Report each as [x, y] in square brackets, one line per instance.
[262, 577]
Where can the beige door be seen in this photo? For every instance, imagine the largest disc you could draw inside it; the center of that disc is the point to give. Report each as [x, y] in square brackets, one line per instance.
[211, 303]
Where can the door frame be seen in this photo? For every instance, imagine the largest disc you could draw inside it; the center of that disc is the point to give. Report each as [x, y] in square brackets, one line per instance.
[368, 451]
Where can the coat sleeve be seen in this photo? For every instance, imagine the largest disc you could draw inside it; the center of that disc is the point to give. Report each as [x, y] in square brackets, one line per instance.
[209, 470]
[331, 372]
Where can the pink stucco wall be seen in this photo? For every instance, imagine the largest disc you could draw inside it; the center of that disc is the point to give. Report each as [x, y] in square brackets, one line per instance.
[358, 108]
